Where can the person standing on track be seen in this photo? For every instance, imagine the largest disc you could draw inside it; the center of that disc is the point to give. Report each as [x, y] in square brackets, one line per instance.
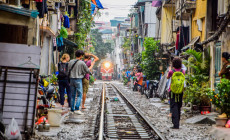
[63, 81]
[176, 74]
[77, 71]
[85, 80]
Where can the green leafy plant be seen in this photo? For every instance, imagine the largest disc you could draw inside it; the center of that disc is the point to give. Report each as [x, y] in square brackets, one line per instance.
[199, 62]
[84, 23]
[137, 58]
[125, 80]
[221, 96]
[197, 80]
[127, 44]
[100, 48]
[197, 90]
[91, 80]
[53, 79]
[150, 63]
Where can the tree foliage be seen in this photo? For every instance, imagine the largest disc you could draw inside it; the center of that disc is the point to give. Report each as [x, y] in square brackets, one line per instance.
[101, 48]
[127, 43]
[150, 63]
[84, 21]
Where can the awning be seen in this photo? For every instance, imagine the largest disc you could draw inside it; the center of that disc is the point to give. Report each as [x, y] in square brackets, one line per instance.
[193, 41]
[48, 30]
[185, 48]
[70, 43]
[141, 3]
[19, 10]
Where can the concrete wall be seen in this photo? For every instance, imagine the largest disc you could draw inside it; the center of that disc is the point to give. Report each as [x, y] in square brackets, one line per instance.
[150, 19]
[45, 62]
[226, 41]
[166, 25]
[15, 19]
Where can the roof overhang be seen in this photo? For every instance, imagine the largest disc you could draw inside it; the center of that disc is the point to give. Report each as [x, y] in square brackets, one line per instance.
[70, 43]
[19, 10]
[48, 30]
[141, 3]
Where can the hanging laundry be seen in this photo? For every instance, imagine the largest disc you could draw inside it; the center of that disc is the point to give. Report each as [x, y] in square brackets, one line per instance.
[60, 41]
[42, 8]
[184, 37]
[177, 37]
[66, 21]
[94, 2]
[54, 42]
[156, 3]
[38, 0]
[99, 5]
[63, 32]
[93, 6]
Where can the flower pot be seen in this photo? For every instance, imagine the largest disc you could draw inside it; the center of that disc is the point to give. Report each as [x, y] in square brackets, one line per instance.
[205, 108]
[195, 107]
[221, 121]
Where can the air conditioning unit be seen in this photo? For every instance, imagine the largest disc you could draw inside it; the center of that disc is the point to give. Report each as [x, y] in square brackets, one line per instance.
[72, 2]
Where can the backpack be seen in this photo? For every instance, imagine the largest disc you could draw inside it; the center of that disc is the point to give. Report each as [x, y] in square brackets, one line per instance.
[63, 70]
[177, 82]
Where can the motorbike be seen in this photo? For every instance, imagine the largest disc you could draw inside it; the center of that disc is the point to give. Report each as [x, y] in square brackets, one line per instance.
[46, 91]
[150, 88]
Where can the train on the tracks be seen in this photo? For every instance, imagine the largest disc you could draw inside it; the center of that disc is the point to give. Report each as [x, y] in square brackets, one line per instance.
[106, 70]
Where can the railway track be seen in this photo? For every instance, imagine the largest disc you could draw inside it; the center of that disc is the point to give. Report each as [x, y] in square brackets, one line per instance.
[118, 118]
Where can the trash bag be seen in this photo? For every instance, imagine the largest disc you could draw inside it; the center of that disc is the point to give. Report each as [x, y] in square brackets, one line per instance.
[13, 131]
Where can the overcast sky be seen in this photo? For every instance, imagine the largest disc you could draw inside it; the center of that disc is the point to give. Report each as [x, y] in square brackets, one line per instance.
[116, 8]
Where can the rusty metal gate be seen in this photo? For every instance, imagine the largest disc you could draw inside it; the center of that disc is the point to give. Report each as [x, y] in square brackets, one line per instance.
[18, 96]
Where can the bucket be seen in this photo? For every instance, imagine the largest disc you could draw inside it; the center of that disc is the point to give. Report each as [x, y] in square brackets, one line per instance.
[54, 117]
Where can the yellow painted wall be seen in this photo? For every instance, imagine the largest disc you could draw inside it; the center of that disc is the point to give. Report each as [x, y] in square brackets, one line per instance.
[166, 24]
[200, 13]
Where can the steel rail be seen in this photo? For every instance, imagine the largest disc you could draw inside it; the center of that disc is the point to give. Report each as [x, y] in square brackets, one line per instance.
[141, 114]
[101, 127]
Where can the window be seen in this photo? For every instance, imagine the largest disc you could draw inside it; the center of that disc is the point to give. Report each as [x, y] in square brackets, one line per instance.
[13, 34]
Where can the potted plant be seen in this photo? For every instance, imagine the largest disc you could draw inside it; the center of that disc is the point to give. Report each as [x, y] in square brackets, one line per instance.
[196, 92]
[221, 99]
[197, 79]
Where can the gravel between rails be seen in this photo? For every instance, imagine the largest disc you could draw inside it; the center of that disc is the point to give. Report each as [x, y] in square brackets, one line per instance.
[162, 122]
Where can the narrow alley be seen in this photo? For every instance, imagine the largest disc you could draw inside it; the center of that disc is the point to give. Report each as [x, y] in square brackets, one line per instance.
[115, 69]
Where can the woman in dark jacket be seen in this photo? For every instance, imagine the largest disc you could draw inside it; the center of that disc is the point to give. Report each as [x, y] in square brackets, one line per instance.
[63, 80]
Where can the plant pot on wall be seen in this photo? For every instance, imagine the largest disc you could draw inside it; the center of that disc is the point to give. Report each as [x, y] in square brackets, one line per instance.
[221, 121]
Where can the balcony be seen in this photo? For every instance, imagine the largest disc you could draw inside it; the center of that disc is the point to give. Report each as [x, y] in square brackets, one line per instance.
[168, 3]
[183, 12]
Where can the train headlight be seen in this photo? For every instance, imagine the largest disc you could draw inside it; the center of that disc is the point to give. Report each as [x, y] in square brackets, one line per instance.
[107, 64]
